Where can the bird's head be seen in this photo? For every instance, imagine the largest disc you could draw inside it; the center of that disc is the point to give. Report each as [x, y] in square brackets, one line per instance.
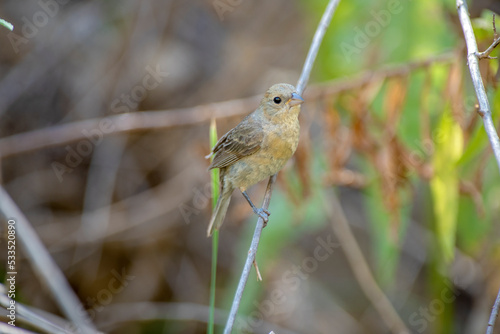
[281, 98]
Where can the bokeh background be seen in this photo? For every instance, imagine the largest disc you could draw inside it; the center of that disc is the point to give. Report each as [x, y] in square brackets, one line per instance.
[389, 128]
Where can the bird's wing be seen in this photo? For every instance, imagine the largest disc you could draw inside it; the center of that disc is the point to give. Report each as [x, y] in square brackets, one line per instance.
[245, 139]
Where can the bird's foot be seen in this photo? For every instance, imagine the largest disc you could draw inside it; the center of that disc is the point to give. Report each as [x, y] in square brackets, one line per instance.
[262, 213]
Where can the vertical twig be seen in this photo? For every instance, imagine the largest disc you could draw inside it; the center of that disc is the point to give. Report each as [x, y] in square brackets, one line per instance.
[473, 57]
[301, 84]
[493, 21]
[251, 256]
[473, 62]
[316, 43]
[98, 197]
[44, 265]
[493, 315]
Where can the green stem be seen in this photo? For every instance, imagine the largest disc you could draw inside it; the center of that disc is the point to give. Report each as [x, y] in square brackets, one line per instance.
[215, 245]
[215, 236]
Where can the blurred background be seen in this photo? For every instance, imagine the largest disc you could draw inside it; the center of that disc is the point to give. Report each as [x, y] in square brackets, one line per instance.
[389, 128]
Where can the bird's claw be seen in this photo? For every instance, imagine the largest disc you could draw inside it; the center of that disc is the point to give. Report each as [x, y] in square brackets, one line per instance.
[262, 213]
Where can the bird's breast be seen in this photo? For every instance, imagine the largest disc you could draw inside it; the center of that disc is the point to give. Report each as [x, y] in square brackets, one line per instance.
[282, 140]
[278, 146]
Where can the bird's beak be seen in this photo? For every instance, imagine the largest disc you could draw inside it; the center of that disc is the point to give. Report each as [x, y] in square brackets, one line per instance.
[295, 100]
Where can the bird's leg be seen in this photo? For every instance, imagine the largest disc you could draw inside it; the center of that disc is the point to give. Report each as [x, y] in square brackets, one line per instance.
[262, 213]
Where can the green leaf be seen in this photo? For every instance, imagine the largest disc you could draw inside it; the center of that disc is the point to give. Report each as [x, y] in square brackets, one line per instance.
[386, 250]
[445, 182]
[214, 174]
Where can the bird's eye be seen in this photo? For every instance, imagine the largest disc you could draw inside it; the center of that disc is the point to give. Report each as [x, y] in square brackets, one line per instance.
[277, 100]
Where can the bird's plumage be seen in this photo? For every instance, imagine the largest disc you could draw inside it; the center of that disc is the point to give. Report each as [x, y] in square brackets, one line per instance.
[245, 139]
[258, 147]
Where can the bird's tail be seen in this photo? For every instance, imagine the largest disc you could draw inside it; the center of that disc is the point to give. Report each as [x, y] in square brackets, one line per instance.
[220, 210]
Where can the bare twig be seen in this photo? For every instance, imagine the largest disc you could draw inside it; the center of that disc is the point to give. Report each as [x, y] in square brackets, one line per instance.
[250, 258]
[495, 35]
[301, 84]
[486, 53]
[484, 107]
[44, 265]
[27, 316]
[473, 62]
[360, 268]
[101, 182]
[338, 86]
[140, 209]
[493, 315]
[316, 43]
[98, 197]
[256, 266]
[129, 122]
[496, 41]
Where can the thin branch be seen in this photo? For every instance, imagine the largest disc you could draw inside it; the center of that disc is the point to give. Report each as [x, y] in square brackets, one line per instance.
[473, 62]
[493, 315]
[98, 196]
[8, 329]
[316, 43]
[257, 271]
[141, 208]
[27, 316]
[360, 267]
[495, 35]
[129, 122]
[44, 265]
[486, 53]
[496, 41]
[335, 87]
[301, 84]
[250, 258]
[484, 107]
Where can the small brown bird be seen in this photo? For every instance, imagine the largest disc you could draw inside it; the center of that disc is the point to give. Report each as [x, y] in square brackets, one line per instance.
[256, 148]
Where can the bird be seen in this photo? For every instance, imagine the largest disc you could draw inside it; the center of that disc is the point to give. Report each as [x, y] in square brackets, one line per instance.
[258, 147]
